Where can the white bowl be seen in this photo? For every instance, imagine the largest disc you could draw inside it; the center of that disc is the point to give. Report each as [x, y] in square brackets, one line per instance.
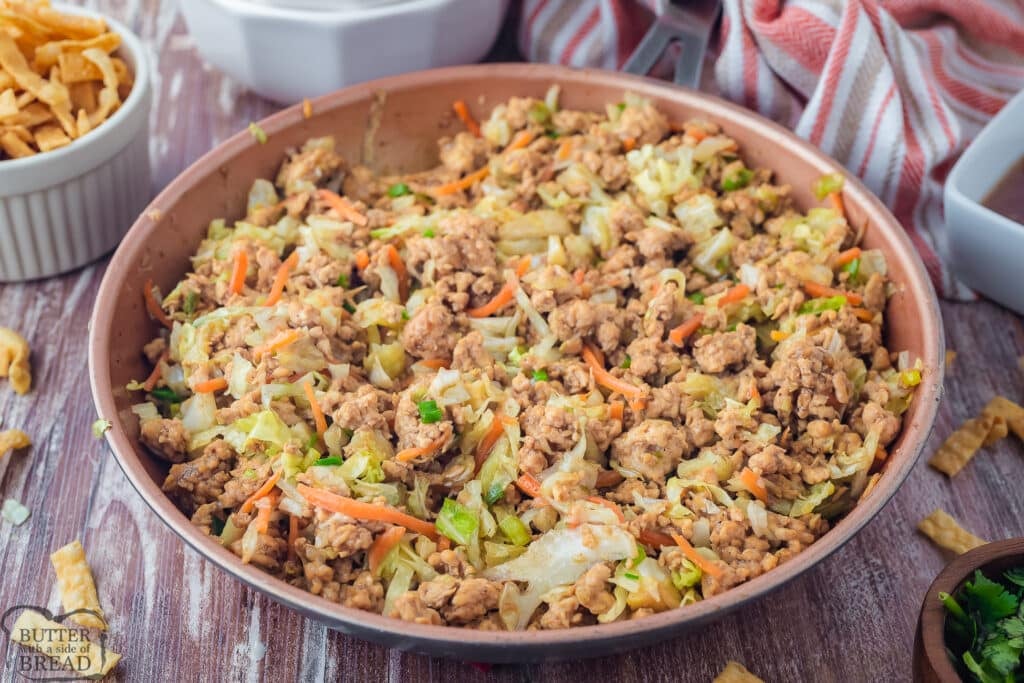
[287, 54]
[987, 248]
[62, 209]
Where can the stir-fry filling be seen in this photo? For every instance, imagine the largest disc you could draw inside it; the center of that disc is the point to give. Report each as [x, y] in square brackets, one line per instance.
[589, 368]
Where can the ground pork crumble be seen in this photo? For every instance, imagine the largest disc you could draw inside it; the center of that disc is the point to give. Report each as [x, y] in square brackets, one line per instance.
[589, 368]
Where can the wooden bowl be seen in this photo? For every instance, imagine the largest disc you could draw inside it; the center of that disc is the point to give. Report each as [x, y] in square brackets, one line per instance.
[416, 110]
[931, 663]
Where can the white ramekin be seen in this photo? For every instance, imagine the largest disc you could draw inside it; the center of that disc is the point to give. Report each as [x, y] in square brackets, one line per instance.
[62, 209]
[285, 54]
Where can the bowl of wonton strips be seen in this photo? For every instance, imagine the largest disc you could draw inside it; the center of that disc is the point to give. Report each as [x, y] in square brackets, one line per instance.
[74, 149]
[511, 361]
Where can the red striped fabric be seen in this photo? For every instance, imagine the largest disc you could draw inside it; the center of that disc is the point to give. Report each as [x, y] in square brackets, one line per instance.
[894, 90]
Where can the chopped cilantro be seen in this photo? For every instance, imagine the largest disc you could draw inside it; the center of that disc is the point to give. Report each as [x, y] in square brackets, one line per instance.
[984, 630]
[429, 232]
[626, 362]
[429, 412]
[398, 189]
[540, 375]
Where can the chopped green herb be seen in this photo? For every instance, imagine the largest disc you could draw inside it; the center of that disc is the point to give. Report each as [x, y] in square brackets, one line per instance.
[540, 375]
[457, 522]
[828, 184]
[165, 394]
[495, 493]
[258, 133]
[984, 630]
[641, 555]
[696, 297]
[626, 362]
[311, 442]
[1015, 576]
[621, 106]
[632, 575]
[429, 412]
[816, 306]
[99, 427]
[737, 180]
[405, 314]
[349, 307]
[853, 268]
[342, 280]
[553, 134]
[399, 189]
[324, 462]
[189, 305]
[429, 232]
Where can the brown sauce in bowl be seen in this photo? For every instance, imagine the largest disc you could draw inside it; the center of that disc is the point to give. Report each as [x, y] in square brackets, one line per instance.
[1007, 197]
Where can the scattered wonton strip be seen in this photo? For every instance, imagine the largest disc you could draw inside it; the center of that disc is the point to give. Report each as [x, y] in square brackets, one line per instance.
[1012, 413]
[12, 440]
[14, 360]
[76, 586]
[734, 672]
[945, 532]
[63, 644]
[958, 449]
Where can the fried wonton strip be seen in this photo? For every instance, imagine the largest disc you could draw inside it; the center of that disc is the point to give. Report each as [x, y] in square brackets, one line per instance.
[74, 68]
[734, 672]
[945, 532]
[30, 116]
[71, 25]
[960, 447]
[14, 359]
[12, 440]
[76, 586]
[12, 61]
[49, 54]
[109, 97]
[14, 146]
[50, 137]
[1011, 412]
[63, 643]
[8, 103]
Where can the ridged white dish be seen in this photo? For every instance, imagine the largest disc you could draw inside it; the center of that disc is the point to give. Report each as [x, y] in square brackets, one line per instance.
[59, 210]
[287, 53]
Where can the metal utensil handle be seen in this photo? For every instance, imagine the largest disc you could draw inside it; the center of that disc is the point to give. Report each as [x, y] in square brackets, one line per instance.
[688, 26]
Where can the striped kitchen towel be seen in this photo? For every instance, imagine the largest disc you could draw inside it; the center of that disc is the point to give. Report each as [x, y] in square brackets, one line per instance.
[894, 90]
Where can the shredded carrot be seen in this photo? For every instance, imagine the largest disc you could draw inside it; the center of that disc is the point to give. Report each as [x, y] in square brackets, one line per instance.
[616, 410]
[529, 485]
[410, 454]
[444, 543]
[755, 395]
[210, 385]
[293, 536]
[500, 300]
[863, 314]
[778, 335]
[362, 259]
[845, 257]
[342, 206]
[462, 111]
[610, 505]
[434, 363]
[656, 539]
[366, 511]
[383, 545]
[836, 199]
[564, 149]
[735, 294]
[158, 371]
[579, 276]
[695, 132]
[818, 291]
[280, 341]
[461, 184]
[307, 109]
[629, 144]
[706, 565]
[155, 311]
[281, 279]
[318, 413]
[238, 272]
[494, 432]
[396, 263]
[608, 380]
[262, 491]
[680, 333]
[262, 520]
[753, 484]
[608, 478]
[523, 267]
[522, 139]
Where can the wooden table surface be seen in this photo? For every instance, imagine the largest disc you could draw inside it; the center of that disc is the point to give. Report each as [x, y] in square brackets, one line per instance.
[176, 617]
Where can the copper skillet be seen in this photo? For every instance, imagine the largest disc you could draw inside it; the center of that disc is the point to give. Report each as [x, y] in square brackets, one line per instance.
[416, 111]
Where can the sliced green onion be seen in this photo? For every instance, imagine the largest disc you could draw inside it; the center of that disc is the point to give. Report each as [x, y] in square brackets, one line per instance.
[540, 375]
[538, 113]
[828, 184]
[189, 305]
[495, 493]
[457, 522]
[737, 180]
[853, 268]
[324, 462]
[429, 412]
[165, 394]
[626, 362]
[696, 297]
[405, 314]
[429, 232]
[816, 306]
[398, 189]
[349, 307]
[632, 576]
[342, 280]
[514, 528]
[258, 133]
